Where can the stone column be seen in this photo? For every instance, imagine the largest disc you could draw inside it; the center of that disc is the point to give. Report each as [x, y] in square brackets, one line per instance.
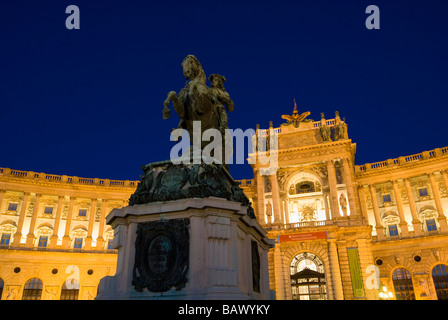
[403, 223]
[378, 225]
[415, 220]
[445, 179]
[350, 189]
[100, 239]
[275, 199]
[435, 191]
[332, 183]
[2, 193]
[30, 236]
[88, 242]
[336, 278]
[362, 200]
[18, 234]
[260, 197]
[327, 210]
[66, 238]
[57, 223]
[286, 210]
[279, 274]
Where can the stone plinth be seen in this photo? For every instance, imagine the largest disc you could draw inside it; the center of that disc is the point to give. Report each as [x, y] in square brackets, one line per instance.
[195, 248]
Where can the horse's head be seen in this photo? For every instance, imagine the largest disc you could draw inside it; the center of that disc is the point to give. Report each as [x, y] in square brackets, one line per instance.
[192, 69]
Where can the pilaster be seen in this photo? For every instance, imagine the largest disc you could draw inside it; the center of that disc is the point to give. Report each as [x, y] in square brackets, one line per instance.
[275, 198]
[66, 238]
[378, 225]
[415, 220]
[30, 236]
[439, 207]
[403, 223]
[260, 197]
[332, 183]
[57, 223]
[338, 292]
[88, 241]
[18, 234]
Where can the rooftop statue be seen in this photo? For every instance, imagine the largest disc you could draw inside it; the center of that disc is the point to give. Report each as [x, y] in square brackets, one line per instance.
[296, 118]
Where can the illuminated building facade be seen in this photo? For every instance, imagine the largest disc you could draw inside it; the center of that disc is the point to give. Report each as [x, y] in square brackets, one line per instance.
[342, 231]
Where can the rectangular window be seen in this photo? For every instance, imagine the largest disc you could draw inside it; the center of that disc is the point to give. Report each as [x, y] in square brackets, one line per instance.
[431, 225]
[12, 206]
[42, 242]
[386, 198]
[78, 243]
[5, 239]
[393, 230]
[109, 244]
[82, 212]
[422, 192]
[48, 210]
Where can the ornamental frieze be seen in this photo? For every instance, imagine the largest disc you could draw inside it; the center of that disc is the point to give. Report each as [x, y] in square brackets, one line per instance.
[313, 153]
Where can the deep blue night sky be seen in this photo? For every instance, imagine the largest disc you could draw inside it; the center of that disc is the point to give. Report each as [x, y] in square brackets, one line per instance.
[88, 102]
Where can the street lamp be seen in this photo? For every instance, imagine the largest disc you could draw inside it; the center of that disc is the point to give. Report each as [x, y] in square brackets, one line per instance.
[385, 295]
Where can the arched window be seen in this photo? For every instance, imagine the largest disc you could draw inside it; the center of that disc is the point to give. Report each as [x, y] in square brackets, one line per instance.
[70, 290]
[440, 278]
[402, 280]
[307, 277]
[33, 289]
[304, 187]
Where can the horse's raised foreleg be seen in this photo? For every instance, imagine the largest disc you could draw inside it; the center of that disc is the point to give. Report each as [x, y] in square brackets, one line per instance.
[176, 104]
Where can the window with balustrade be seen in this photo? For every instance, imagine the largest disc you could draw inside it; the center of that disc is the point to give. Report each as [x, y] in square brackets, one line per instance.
[77, 244]
[431, 225]
[393, 230]
[42, 242]
[5, 239]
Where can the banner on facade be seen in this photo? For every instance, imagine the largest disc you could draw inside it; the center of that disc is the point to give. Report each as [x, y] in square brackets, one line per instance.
[355, 272]
[303, 236]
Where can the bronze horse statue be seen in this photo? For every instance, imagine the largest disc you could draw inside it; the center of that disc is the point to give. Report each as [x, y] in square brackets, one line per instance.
[197, 102]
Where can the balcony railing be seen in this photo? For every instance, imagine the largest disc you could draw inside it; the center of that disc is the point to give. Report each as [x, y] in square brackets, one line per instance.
[438, 152]
[36, 176]
[305, 224]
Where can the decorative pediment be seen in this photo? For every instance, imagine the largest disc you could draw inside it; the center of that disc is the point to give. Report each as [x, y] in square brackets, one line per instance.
[427, 212]
[79, 232]
[45, 229]
[8, 226]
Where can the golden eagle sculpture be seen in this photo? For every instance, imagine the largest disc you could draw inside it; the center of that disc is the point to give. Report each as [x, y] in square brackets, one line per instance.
[296, 118]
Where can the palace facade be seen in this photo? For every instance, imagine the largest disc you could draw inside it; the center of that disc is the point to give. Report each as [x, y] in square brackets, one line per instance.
[342, 231]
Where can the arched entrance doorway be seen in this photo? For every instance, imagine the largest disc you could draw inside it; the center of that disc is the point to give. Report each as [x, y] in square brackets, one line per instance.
[307, 277]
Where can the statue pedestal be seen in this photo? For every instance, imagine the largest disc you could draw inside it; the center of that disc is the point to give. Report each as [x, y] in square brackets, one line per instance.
[194, 248]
